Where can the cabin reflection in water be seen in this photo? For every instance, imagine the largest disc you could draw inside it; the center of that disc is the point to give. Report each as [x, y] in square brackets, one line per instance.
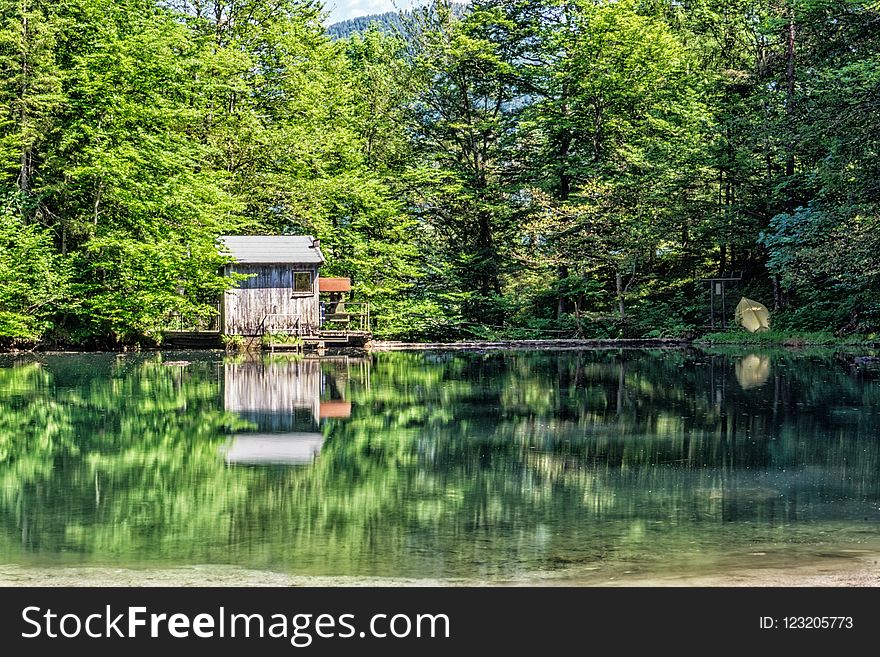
[283, 400]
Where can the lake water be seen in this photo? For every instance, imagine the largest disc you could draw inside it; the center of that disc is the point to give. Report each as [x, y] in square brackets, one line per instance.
[578, 466]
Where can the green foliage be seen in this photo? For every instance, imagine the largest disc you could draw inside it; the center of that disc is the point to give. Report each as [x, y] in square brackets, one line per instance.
[784, 338]
[30, 86]
[33, 280]
[665, 318]
[233, 343]
[464, 84]
[549, 169]
[281, 339]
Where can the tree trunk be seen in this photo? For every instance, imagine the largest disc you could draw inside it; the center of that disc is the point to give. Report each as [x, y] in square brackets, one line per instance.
[562, 304]
[779, 300]
[24, 176]
[620, 305]
[789, 99]
[488, 275]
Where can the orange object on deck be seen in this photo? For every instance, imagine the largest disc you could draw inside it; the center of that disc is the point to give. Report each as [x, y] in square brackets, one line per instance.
[334, 284]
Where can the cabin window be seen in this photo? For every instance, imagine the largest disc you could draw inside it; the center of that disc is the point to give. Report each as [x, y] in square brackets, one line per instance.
[302, 282]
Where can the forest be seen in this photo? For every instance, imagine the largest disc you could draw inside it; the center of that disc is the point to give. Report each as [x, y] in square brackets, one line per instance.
[390, 21]
[550, 168]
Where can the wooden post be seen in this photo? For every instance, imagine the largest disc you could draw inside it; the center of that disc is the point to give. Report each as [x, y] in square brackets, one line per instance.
[712, 303]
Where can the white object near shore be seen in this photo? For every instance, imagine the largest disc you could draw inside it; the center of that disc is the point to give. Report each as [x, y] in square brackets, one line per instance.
[752, 316]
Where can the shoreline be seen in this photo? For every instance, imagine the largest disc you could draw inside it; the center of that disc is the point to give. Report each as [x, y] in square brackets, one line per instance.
[555, 345]
[862, 570]
[382, 346]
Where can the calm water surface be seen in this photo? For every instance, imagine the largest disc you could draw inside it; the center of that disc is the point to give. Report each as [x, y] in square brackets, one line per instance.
[491, 466]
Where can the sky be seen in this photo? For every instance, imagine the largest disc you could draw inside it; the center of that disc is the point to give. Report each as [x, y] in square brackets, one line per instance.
[341, 9]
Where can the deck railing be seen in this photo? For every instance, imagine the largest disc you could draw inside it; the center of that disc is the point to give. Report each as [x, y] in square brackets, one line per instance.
[287, 323]
[342, 317]
[176, 322]
[345, 316]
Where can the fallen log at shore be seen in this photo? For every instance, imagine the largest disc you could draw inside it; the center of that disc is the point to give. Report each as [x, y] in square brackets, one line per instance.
[644, 343]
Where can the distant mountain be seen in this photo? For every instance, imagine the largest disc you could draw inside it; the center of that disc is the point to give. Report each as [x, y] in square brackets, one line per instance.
[389, 22]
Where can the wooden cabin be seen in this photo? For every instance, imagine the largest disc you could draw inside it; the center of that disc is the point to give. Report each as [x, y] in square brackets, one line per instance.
[281, 293]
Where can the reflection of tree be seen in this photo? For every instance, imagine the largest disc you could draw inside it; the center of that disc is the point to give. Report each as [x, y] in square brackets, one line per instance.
[114, 464]
[449, 464]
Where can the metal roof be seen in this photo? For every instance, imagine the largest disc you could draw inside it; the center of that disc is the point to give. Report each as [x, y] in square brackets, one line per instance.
[272, 249]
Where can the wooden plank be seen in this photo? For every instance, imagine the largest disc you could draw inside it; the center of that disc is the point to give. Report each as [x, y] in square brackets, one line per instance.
[530, 344]
[192, 339]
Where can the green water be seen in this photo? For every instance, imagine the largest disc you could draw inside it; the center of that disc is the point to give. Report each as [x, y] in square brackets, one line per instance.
[487, 466]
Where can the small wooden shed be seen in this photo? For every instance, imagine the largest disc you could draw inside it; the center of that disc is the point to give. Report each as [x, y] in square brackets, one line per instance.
[281, 293]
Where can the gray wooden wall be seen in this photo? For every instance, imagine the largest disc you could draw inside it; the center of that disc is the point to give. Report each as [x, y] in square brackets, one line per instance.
[276, 387]
[269, 292]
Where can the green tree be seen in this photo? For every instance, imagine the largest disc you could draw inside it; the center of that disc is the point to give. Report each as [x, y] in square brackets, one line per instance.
[30, 93]
[33, 280]
[608, 124]
[460, 117]
[822, 244]
[135, 206]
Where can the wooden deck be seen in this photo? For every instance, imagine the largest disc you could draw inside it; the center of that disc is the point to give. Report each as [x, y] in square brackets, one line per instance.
[192, 340]
[316, 341]
[321, 340]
